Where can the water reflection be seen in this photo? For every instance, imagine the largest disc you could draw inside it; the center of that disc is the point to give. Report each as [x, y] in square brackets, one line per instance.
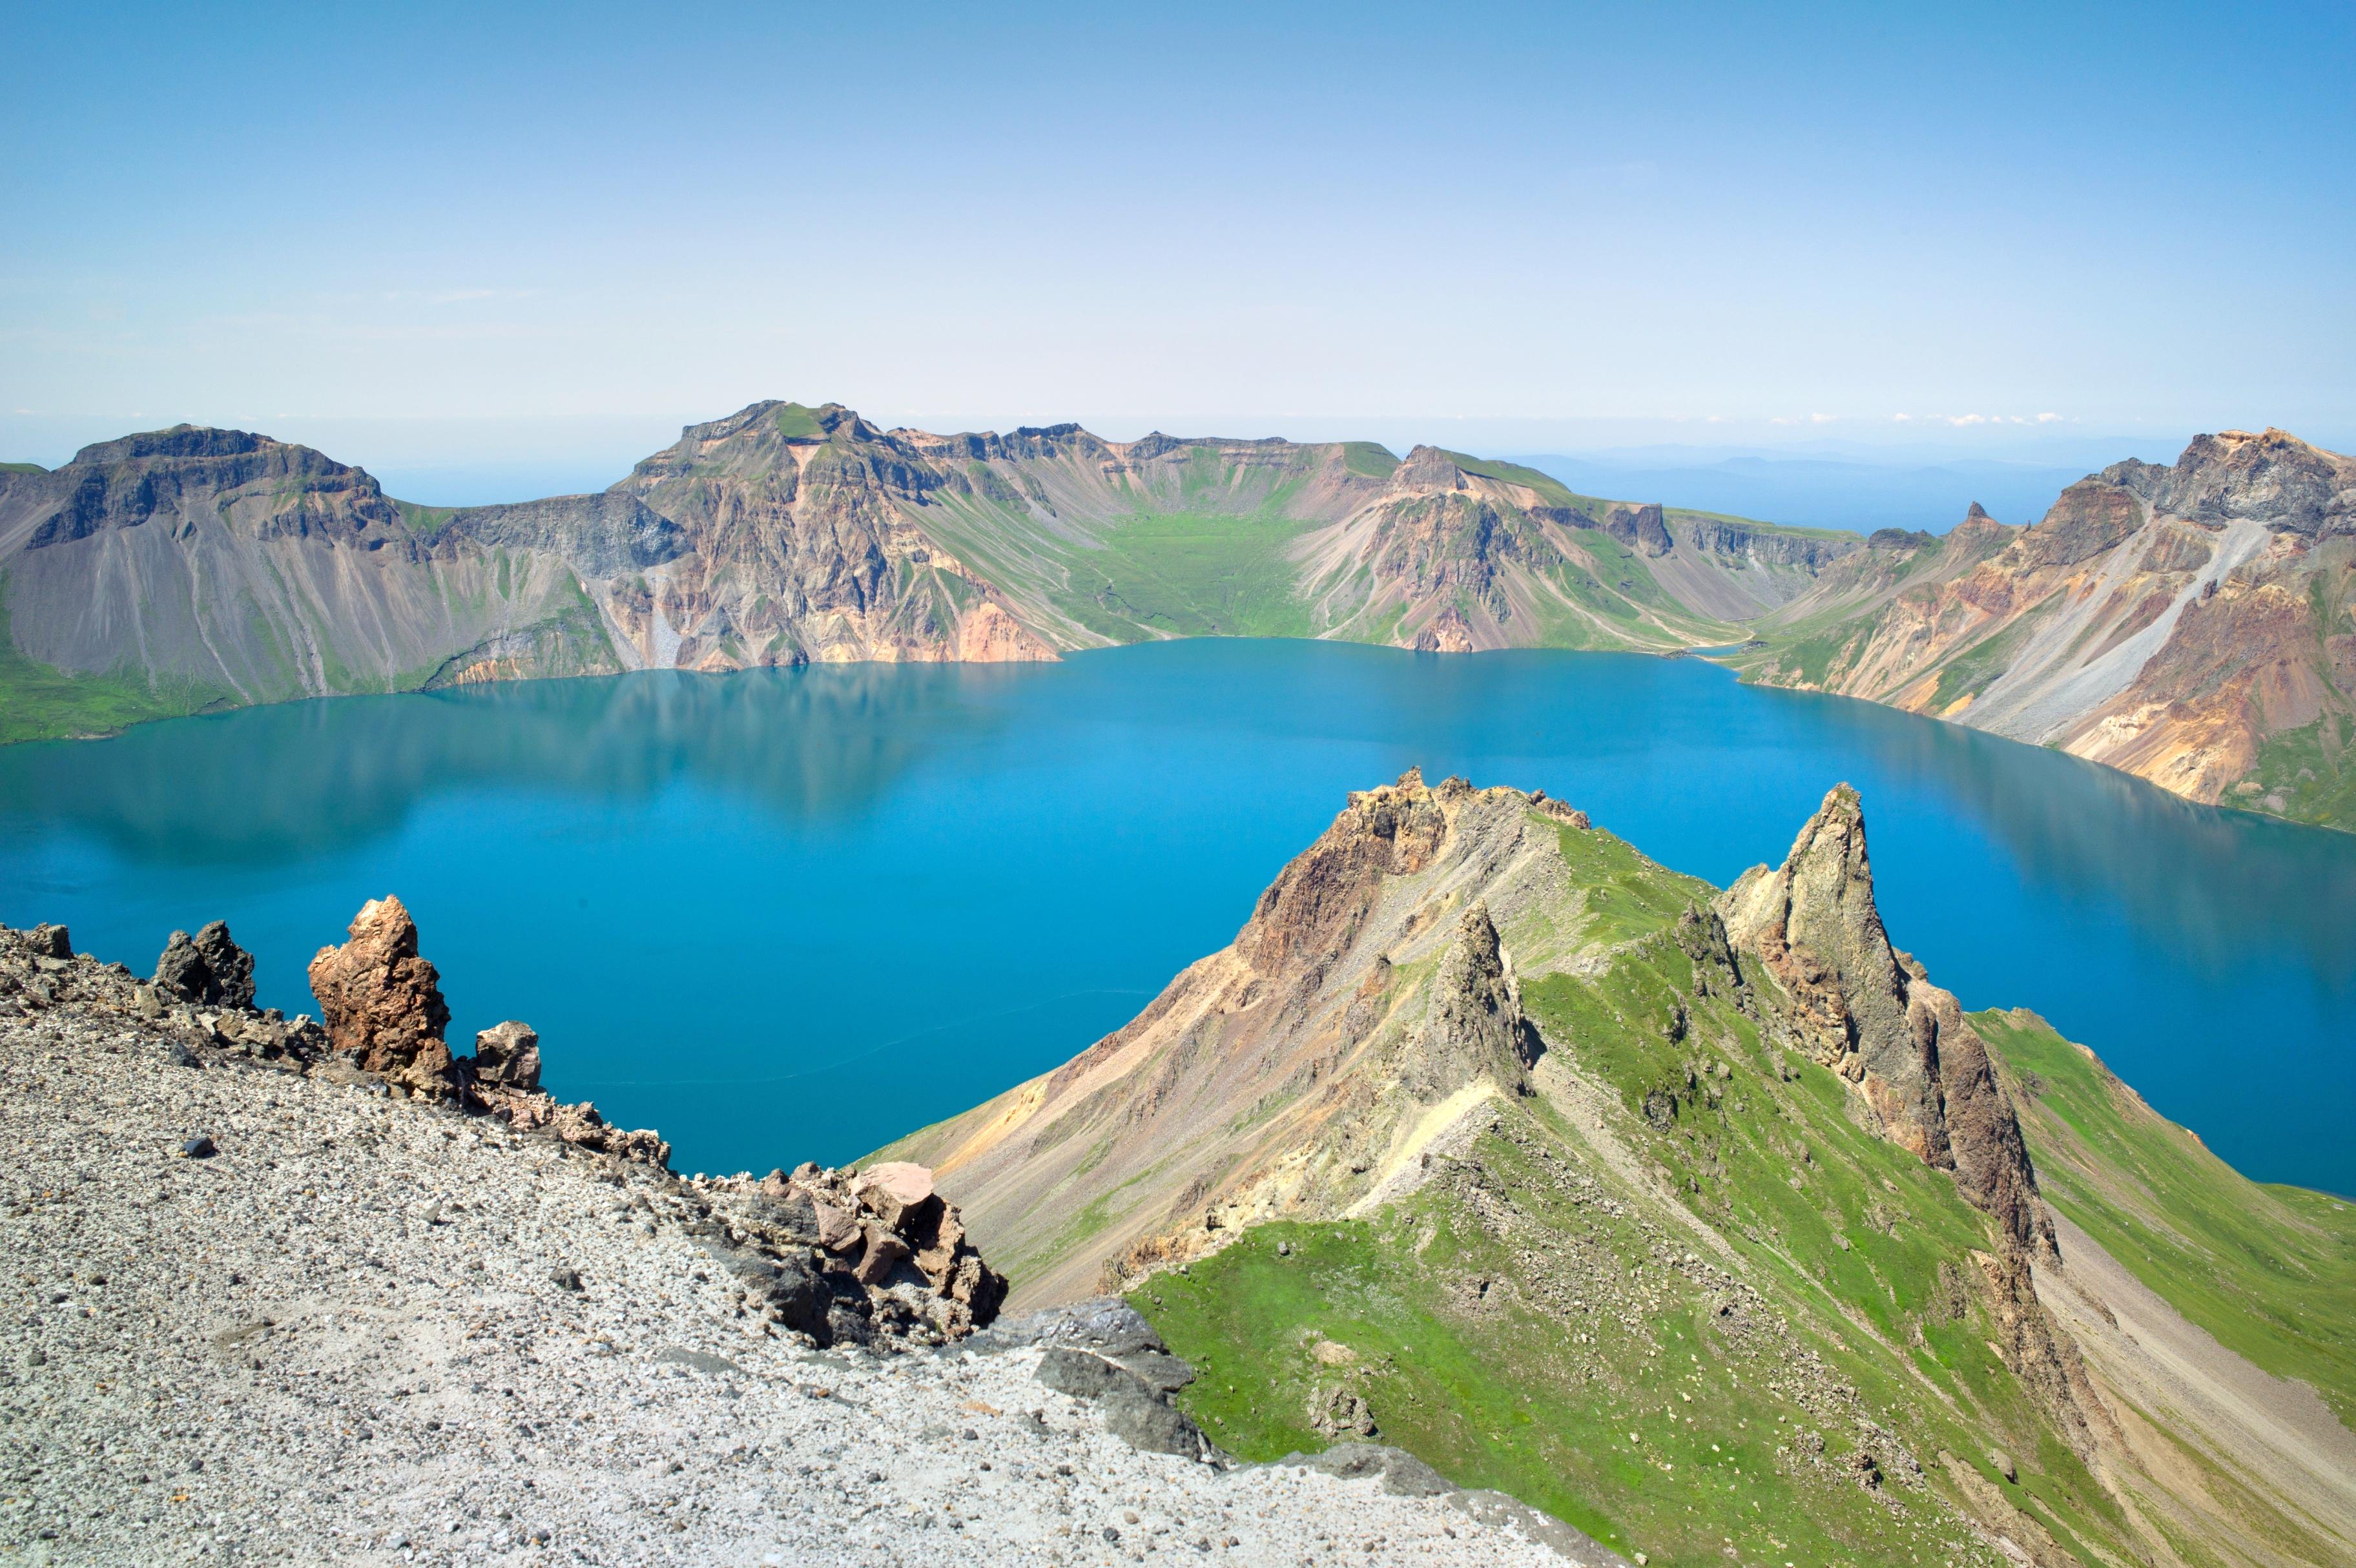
[282, 784]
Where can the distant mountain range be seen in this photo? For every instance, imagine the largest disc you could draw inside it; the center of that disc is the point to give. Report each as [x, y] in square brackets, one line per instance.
[194, 568]
[1824, 492]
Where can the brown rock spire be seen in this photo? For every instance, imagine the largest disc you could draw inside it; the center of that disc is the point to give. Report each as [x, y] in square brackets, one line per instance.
[382, 1003]
[1870, 1014]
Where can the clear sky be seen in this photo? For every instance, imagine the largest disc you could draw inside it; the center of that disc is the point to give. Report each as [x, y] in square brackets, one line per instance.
[1630, 221]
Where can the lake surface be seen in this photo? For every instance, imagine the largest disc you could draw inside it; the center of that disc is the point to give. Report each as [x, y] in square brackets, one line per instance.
[789, 915]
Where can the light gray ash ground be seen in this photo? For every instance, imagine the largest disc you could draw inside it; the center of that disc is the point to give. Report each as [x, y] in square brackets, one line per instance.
[349, 1335]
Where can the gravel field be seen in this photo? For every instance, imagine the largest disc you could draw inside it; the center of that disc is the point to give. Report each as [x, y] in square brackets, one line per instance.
[264, 1312]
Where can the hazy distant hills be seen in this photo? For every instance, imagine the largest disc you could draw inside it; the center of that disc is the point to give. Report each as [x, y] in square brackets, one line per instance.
[193, 569]
[1825, 492]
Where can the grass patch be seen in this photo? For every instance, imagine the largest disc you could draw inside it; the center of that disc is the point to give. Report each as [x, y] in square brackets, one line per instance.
[426, 521]
[1190, 574]
[2309, 770]
[796, 421]
[1371, 459]
[1975, 669]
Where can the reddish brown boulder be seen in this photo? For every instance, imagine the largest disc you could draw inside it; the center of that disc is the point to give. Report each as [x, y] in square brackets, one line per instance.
[382, 1003]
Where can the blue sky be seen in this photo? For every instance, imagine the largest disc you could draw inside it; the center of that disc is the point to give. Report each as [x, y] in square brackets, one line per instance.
[1560, 226]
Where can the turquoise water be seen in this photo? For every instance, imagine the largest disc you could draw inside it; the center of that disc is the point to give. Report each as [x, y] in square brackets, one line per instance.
[788, 915]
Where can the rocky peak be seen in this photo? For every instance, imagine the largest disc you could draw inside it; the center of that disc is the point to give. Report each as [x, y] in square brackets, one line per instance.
[1312, 911]
[2271, 477]
[1427, 470]
[179, 440]
[1867, 1012]
[1475, 1028]
[126, 483]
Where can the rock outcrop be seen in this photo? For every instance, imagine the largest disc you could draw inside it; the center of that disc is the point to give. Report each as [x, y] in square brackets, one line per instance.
[854, 1257]
[506, 1056]
[1475, 1029]
[1868, 1011]
[382, 1002]
[1918, 1073]
[207, 968]
[2193, 624]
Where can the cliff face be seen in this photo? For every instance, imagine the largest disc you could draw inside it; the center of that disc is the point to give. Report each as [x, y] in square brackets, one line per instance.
[796, 548]
[237, 568]
[2189, 624]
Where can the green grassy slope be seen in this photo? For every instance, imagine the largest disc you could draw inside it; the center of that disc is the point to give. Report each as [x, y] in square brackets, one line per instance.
[2269, 1270]
[1190, 574]
[1530, 1322]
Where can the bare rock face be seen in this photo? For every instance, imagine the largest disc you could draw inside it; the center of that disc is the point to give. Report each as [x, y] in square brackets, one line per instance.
[382, 1003]
[1313, 909]
[506, 1056]
[1475, 1029]
[207, 968]
[1644, 527]
[2272, 476]
[1870, 1013]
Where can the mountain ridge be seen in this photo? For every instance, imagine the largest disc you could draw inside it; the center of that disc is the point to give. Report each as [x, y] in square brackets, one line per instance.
[2190, 624]
[1485, 1120]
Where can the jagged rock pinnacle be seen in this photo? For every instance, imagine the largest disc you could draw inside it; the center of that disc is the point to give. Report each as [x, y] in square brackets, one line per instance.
[1871, 1013]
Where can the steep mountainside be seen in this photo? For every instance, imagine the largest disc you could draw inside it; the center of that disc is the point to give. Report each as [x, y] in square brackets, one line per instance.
[193, 569]
[1703, 1220]
[2189, 624]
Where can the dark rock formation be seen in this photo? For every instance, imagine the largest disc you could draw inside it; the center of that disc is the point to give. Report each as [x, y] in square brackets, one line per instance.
[207, 968]
[1641, 528]
[382, 1002]
[46, 941]
[2272, 478]
[1102, 1351]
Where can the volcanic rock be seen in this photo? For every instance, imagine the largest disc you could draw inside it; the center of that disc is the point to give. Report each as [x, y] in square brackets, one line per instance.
[507, 1056]
[1869, 1014]
[208, 969]
[382, 1003]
